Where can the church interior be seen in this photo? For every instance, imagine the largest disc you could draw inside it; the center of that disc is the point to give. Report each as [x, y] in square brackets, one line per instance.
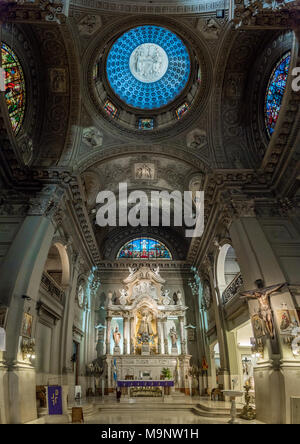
[134, 322]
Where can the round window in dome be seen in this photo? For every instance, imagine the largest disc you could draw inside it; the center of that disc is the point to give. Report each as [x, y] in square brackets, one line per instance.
[148, 67]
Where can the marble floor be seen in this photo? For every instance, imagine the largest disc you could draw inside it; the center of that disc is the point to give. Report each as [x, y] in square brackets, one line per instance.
[180, 410]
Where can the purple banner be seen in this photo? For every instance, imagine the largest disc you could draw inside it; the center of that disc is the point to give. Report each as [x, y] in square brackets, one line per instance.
[54, 400]
[145, 383]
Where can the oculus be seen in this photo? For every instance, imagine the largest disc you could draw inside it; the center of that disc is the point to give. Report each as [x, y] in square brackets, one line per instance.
[148, 67]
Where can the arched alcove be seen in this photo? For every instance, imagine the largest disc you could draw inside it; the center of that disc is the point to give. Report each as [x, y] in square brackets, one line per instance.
[227, 267]
[57, 264]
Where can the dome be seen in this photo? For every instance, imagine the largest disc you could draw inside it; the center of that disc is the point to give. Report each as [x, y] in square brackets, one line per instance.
[148, 67]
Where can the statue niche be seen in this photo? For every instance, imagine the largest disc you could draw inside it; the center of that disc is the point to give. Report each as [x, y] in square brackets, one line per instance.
[146, 333]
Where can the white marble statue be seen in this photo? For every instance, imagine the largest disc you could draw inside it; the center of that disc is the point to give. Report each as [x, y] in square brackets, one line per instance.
[116, 336]
[132, 270]
[166, 297]
[123, 297]
[174, 337]
[156, 271]
[179, 298]
[109, 298]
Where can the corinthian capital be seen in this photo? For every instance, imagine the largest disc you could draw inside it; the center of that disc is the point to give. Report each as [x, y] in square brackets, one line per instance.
[244, 208]
[46, 202]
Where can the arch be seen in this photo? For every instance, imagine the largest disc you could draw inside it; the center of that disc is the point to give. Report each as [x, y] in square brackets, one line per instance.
[58, 265]
[227, 267]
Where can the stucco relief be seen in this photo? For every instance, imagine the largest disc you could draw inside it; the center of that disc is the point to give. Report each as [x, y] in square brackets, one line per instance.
[92, 137]
[197, 139]
[89, 24]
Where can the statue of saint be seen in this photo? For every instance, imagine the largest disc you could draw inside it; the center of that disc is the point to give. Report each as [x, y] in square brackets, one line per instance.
[179, 298]
[145, 325]
[262, 295]
[117, 336]
[173, 336]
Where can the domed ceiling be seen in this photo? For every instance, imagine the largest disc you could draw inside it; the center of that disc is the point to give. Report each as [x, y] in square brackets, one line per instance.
[148, 67]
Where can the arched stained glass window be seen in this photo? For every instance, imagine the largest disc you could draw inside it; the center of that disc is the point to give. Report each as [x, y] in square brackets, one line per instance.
[144, 248]
[275, 92]
[14, 84]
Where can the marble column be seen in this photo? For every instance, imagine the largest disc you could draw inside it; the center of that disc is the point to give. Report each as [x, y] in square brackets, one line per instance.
[166, 344]
[125, 335]
[108, 331]
[159, 332]
[20, 275]
[131, 335]
[182, 335]
[224, 371]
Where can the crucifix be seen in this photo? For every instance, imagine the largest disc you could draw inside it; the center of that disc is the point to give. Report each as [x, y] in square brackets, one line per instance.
[262, 295]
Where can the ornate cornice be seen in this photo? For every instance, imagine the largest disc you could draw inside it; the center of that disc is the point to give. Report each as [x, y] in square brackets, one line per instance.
[175, 7]
[23, 11]
[274, 14]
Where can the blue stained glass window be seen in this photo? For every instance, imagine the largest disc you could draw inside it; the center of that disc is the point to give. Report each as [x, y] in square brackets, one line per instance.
[144, 248]
[275, 92]
[148, 67]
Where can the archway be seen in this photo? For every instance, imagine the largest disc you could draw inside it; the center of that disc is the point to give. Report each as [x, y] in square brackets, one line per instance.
[227, 267]
[55, 279]
[57, 264]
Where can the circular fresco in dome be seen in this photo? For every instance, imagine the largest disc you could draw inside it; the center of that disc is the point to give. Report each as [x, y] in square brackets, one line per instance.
[148, 67]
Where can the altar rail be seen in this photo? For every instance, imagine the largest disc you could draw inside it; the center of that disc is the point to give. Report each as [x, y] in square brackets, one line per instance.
[150, 383]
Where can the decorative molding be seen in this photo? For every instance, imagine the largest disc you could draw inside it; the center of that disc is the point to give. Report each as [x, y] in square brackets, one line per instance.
[175, 7]
[264, 14]
[233, 288]
[39, 11]
[52, 288]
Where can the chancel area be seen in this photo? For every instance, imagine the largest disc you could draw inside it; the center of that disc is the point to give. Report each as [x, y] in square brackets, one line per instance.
[149, 212]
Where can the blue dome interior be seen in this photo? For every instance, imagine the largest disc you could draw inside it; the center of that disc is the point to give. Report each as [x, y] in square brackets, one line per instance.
[142, 95]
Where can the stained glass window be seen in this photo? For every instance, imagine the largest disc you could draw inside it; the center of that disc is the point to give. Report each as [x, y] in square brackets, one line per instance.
[14, 87]
[275, 92]
[146, 124]
[144, 248]
[148, 67]
[182, 110]
[110, 109]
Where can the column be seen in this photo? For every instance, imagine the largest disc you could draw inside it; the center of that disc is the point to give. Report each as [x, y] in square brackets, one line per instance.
[159, 332]
[182, 335]
[108, 331]
[166, 345]
[220, 327]
[20, 274]
[125, 334]
[132, 335]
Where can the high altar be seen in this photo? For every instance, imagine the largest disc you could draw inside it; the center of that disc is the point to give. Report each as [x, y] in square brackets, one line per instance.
[145, 331]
